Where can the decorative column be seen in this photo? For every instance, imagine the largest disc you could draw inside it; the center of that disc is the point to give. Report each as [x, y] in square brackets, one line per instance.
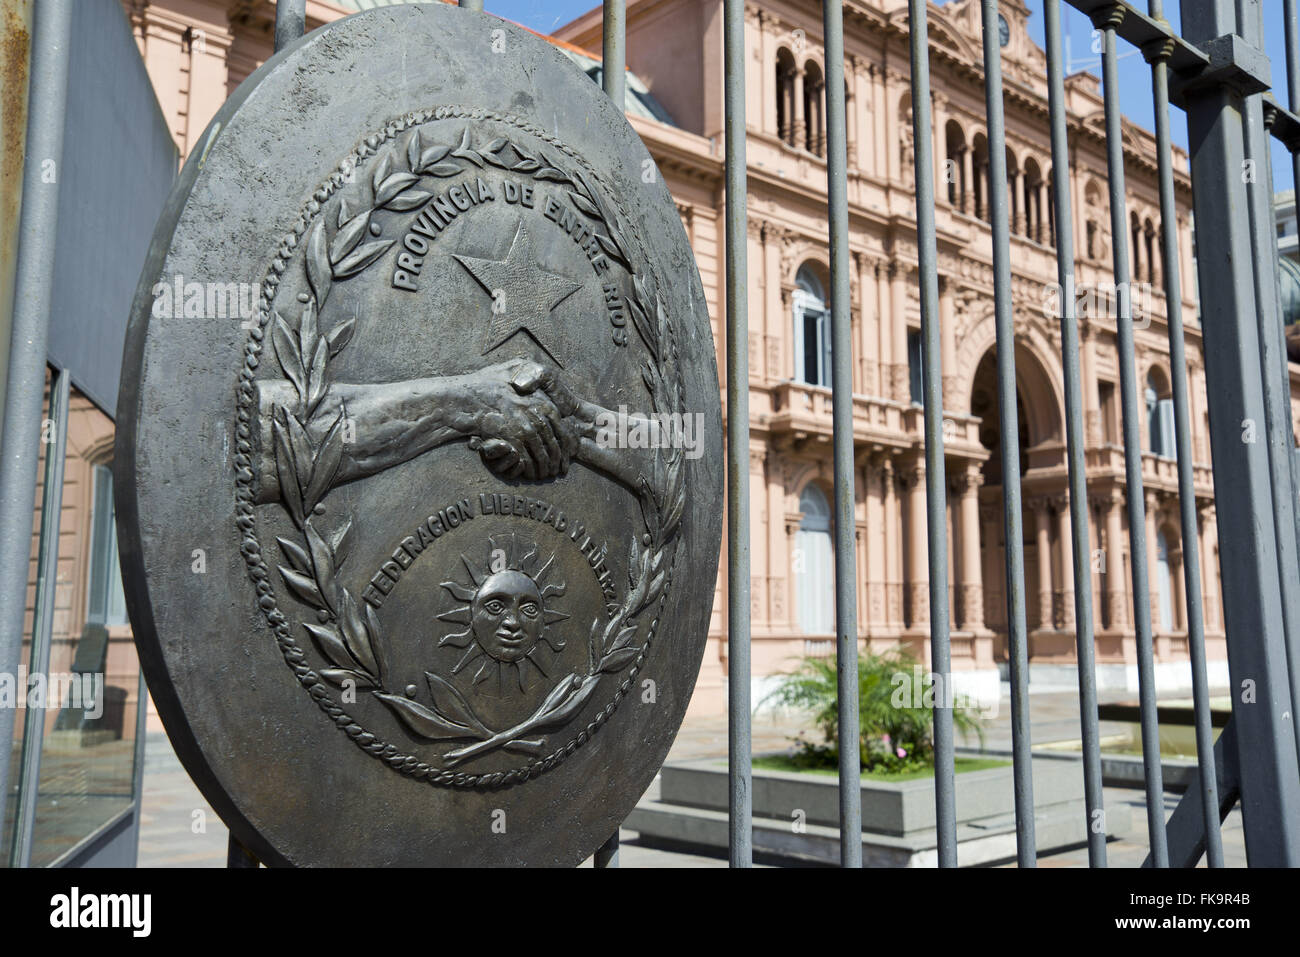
[1209, 565]
[1042, 518]
[767, 42]
[948, 344]
[873, 562]
[939, 119]
[851, 112]
[1091, 401]
[1017, 196]
[777, 322]
[780, 587]
[1114, 558]
[982, 189]
[918, 578]
[1067, 560]
[800, 121]
[893, 576]
[993, 564]
[898, 318]
[867, 339]
[1152, 557]
[791, 530]
[885, 327]
[1044, 218]
[967, 180]
[972, 585]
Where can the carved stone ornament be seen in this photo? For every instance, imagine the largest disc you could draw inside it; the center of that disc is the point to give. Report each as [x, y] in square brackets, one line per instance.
[457, 479]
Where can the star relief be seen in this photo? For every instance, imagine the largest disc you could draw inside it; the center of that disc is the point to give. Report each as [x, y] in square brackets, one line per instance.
[523, 294]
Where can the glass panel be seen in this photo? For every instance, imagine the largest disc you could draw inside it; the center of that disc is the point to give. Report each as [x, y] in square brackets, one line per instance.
[14, 692]
[93, 688]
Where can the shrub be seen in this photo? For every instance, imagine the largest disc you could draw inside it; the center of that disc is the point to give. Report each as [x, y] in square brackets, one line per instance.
[895, 719]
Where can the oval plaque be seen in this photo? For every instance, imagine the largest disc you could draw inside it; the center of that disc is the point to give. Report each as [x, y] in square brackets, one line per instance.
[419, 453]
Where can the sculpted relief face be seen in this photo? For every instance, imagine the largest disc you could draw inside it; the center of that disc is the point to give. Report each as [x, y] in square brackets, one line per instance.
[507, 615]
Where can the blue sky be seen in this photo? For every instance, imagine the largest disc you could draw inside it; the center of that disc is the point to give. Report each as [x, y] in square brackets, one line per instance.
[1135, 76]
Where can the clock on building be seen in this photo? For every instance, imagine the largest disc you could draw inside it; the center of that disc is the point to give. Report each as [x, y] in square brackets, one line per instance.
[1004, 31]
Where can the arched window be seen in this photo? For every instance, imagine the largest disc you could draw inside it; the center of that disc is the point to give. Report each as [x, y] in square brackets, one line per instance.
[1160, 416]
[1164, 583]
[814, 566]
[812, 331]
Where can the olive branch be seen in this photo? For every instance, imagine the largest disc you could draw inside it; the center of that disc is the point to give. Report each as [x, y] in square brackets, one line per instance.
[350, 639]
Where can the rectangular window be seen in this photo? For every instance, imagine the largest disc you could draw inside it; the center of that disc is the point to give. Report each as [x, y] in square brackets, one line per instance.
[915, 368]
[1109, 424]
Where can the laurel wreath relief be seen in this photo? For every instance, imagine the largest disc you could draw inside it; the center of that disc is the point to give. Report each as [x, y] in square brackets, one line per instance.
[347, 632]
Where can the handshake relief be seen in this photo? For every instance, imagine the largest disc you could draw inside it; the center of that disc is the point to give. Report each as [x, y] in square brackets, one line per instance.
[518, 415]
[526, 422]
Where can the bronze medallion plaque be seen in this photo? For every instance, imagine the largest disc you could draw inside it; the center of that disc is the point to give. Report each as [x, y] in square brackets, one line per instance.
[420, 543]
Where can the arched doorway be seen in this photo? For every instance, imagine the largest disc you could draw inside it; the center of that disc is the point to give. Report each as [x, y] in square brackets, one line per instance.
[1042, 515]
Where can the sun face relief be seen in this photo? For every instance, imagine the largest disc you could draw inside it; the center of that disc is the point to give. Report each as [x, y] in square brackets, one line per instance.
[508, 618]
[507, 614]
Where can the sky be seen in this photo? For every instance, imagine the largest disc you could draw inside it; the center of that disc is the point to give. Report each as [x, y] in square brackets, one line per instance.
[545, 16]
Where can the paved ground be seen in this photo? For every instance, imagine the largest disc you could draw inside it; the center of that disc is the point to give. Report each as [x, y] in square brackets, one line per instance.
[178, 829]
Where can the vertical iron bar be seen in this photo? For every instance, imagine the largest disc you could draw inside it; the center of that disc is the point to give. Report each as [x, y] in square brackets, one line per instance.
[607, 853]
[614, 51]
[47, 576]
[740, 795]
[1292, 27]
[846, 575]
[613, 82]
[1158, 56]
[291, 21]
[1107, 20]
[1272, 354]
[1078, 476]
[1263, 719]
[945, 799]
[29, 337]
[1008, 423]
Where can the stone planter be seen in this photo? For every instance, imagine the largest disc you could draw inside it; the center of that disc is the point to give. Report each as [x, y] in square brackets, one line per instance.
[796, 814]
